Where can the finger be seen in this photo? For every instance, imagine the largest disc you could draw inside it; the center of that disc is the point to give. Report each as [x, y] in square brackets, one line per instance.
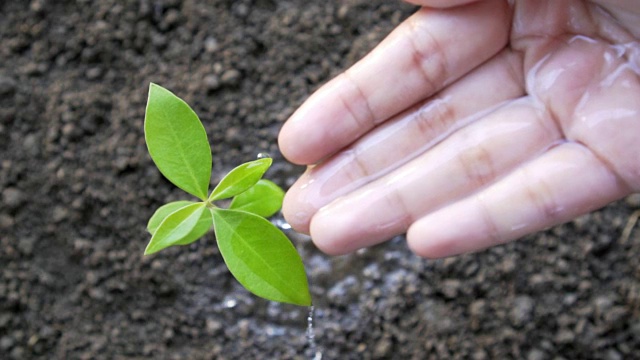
[470, 159]
[565, 182]
[404, 137]
[428, 51]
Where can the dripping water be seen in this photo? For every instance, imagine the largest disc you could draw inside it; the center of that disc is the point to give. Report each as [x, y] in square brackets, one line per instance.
[313, 352]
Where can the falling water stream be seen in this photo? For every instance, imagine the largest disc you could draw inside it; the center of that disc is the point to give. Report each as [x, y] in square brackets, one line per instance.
[313, 352]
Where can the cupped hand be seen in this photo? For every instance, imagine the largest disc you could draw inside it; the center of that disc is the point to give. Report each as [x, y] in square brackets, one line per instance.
[470, 125]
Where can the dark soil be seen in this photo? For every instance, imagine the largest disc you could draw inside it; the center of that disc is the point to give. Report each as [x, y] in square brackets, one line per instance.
[77, 189]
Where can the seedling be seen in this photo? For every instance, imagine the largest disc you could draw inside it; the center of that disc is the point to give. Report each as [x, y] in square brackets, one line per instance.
[256, 252]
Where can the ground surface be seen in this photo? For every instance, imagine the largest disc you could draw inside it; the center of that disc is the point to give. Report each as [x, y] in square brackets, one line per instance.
[77, 188]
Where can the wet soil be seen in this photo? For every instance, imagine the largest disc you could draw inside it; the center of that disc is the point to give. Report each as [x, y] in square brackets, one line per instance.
[77, 188]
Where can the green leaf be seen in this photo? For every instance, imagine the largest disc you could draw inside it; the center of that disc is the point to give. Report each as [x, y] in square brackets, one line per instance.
[261, 257]
[175, 227]
[264, 199]
[201, 228]
[240, 179]
[164, 211]
[177, 142]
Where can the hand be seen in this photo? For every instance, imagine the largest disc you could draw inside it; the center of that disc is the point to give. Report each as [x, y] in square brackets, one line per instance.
[471, 126]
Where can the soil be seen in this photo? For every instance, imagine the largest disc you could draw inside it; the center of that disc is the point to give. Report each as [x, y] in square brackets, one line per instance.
[77, 188]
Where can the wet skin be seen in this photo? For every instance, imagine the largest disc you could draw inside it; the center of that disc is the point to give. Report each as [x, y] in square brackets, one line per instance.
[471, 126]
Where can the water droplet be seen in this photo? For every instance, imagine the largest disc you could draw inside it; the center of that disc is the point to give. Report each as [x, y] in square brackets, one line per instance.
[230, 303]
[263, 156]
[282, 224]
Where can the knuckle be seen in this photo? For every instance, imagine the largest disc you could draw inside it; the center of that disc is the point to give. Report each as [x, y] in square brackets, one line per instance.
[434, 119]
[477, 165]
[395, 200]
[358, 168]
[356, 103]
[539, 195]
[492, 229]
[427, 55]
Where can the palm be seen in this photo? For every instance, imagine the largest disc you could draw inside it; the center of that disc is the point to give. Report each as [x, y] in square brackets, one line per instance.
[466, 131]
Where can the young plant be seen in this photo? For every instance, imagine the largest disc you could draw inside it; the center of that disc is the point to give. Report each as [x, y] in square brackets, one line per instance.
[256, 252]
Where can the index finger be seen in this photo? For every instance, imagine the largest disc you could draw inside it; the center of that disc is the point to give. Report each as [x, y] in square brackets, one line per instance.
[429, 50]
